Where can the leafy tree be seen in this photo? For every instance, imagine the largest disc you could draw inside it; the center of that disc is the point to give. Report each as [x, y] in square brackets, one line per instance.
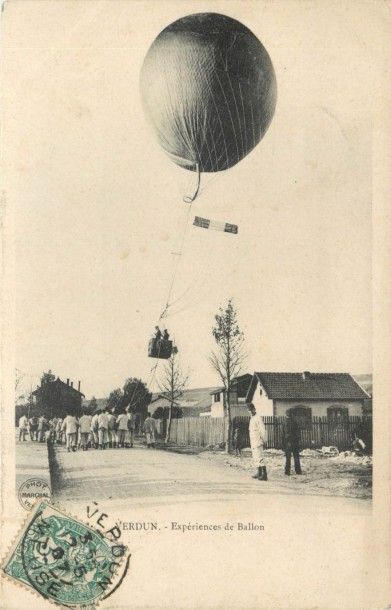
[163, 413]
[136, 395]
[114, 400]
[92, 404]
[228, 358]
[47, 377]
[172, 385]
[159, 413]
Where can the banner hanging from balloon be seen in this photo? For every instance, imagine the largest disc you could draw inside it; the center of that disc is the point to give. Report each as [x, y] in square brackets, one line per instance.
[215, 225]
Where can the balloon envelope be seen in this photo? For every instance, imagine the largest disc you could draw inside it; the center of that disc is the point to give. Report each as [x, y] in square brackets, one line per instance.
[209, 88]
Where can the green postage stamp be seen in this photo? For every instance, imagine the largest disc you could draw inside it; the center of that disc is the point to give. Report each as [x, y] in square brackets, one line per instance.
[64, 560]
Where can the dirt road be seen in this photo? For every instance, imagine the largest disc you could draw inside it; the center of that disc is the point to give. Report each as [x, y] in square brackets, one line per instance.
[216, 531]
[153, 477]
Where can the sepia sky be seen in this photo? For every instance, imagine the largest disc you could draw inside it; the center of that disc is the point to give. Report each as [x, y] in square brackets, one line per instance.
[96, 206]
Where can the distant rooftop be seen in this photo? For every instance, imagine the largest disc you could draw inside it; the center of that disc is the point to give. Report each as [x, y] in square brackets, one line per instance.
[191, 402]
[59, 381]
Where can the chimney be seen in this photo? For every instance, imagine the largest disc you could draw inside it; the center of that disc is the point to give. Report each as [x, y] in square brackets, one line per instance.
[68, 381]
[78, 386]
[306, 375]
[71, 384]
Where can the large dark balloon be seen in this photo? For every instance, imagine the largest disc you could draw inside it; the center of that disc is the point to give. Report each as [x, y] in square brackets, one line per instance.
[209, 87]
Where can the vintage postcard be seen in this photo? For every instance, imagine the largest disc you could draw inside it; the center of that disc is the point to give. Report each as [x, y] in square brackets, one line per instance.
[195, 295]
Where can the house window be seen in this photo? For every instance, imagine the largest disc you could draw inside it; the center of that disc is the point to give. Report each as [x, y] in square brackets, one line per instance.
[337, 414]
[216, 397]
[302, 415]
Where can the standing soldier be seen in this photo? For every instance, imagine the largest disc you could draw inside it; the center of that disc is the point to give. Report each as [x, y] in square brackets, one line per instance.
[291, 444]
[111, 429]
[42, 427]
[94, 429]
[23, 427]
[122, 428]
[258, 439]
[237, 437]
[131, 426]
[33, 427]
[50, 433]
[103, 424]
[69, 426]
[84, 428]
[149, 428]
[53, 427]
[59, 431]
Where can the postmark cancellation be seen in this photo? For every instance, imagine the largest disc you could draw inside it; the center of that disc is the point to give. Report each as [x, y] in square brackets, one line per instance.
[64, 560]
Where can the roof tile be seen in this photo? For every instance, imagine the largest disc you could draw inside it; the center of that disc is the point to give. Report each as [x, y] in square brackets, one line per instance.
[311, 386]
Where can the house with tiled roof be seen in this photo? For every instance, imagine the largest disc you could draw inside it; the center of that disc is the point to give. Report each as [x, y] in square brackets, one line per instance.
[54, 398]
[305, 395]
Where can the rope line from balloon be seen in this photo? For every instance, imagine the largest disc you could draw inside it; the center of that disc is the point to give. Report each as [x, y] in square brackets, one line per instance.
[176, 267]
[199, 284]
[163, 314]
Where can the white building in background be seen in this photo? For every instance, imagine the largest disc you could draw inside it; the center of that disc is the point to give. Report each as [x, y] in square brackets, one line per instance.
[194, 402]
[305, 395]
[217, 405]
[239, 389]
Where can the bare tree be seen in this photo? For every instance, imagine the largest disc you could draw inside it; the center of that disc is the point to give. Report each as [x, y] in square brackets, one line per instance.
[228, 359]
[172, 386]
[30, 403]
[18, 385]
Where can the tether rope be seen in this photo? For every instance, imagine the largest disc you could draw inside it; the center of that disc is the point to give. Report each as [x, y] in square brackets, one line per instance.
[168, 304]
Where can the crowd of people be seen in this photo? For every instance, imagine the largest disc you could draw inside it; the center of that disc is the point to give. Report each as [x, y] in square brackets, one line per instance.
[104, 429]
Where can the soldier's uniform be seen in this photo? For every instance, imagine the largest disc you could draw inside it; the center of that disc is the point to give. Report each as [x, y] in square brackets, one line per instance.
[69, 425]
[103, 424]
[122, 423]
[149, 428]
[111, 430]
[94, 429]
[85, 428]
[258, 439]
